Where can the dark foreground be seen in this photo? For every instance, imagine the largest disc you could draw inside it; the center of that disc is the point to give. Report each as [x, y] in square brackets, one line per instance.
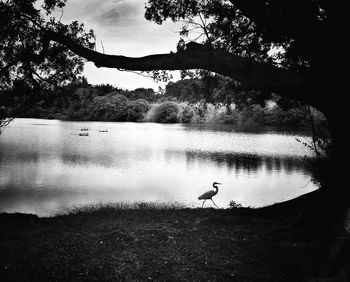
[149, 243]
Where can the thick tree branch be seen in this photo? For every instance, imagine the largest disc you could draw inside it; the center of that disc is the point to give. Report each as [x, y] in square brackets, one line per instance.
[252, 74]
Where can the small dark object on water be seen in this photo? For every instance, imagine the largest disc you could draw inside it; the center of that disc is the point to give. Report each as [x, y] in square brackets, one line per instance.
[84, 129]
[103, 131]
[83, 134]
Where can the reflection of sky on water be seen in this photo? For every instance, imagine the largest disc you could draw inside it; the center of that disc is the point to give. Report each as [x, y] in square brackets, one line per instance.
[47, 167]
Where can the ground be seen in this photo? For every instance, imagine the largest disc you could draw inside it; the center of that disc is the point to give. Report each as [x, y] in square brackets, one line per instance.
[149, 243]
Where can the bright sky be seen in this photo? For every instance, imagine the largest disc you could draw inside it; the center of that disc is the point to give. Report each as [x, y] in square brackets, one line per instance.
[121, 27]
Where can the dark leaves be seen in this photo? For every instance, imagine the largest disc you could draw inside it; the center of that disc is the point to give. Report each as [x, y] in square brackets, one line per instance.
[26, 54]
[50, 5]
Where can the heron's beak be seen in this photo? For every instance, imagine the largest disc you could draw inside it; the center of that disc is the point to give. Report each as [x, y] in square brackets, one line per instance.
[219, 183]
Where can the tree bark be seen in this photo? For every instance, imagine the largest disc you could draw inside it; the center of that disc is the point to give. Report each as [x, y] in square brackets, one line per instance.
[340, 148]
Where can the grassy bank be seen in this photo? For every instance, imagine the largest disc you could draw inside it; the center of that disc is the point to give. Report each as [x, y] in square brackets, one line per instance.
[145, 243]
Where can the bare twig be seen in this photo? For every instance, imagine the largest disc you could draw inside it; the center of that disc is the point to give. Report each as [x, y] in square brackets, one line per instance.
[4, 122]
[136, 72]
[205, 28]
[62, 11]
[313, 132]
[306, 184]
[103, 48]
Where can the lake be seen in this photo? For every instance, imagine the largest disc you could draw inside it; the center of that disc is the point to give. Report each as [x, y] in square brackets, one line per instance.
[47, 167]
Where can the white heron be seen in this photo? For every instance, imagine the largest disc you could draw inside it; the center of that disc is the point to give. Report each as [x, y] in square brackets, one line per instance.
[209, 194]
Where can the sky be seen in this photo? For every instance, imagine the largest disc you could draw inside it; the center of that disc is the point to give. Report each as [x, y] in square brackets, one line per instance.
[120, 27]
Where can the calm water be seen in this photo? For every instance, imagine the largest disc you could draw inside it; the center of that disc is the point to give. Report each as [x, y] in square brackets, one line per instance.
[46, 167]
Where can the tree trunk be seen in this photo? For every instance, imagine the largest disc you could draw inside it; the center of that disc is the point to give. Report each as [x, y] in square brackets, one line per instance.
[331, 211]
[339, 154]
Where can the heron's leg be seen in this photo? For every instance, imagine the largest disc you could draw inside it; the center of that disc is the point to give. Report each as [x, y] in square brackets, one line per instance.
[203, 203]
[214, 203]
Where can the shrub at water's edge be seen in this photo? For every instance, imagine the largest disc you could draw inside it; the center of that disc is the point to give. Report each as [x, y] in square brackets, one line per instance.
[137, 110]
[167, 112]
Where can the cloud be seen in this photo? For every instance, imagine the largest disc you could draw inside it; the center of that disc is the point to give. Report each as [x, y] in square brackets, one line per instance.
[121, 28]
[111, 16]
[110, 12]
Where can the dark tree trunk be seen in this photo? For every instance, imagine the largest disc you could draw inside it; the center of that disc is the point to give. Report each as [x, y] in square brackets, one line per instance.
[326, 215]
[338, 170]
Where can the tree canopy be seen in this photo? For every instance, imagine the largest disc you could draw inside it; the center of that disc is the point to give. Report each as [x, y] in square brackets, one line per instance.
[28, 54]
[236, 40]
[285, 47]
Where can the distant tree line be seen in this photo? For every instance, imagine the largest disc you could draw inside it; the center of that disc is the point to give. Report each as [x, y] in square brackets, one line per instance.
[185, 101]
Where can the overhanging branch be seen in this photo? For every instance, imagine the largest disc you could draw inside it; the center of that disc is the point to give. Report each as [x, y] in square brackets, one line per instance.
[252, 74]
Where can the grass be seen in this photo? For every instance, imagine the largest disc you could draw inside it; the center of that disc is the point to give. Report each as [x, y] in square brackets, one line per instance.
[107, 208]
[145, 242]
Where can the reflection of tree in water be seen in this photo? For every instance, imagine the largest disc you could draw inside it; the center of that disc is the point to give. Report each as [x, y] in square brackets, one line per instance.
[240, 162]
[248, 163]
[104, 159]
[7, 153]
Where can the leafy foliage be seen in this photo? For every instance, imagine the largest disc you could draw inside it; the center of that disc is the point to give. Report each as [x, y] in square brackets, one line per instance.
[215, 90]
[27, 54]
[248, 29]
[218, 23]
[167, 112]
[215, 23]
[4, 120]
[81, 101]
[137, 110]
[235, 205]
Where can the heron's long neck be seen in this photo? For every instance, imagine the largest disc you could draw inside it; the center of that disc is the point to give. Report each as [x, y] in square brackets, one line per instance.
[216, 189]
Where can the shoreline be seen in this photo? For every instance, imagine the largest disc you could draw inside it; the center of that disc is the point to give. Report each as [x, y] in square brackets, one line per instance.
[151, 243]
[243, 127]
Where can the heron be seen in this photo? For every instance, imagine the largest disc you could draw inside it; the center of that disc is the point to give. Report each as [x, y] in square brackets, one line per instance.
[210, 194]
